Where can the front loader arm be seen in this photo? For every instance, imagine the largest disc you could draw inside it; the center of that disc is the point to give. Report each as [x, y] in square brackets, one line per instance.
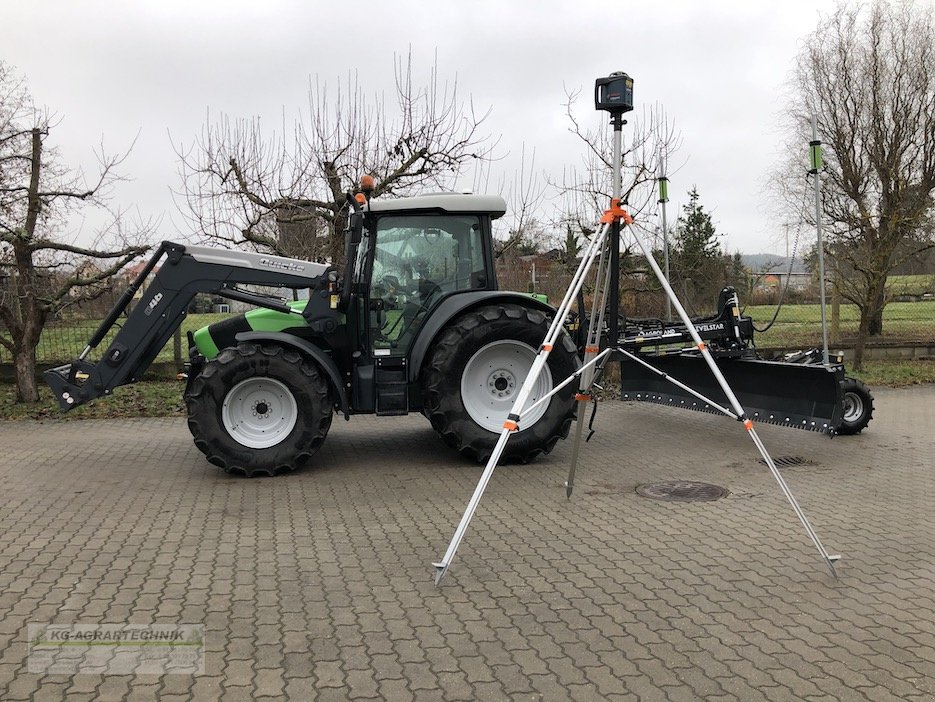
[185, 272]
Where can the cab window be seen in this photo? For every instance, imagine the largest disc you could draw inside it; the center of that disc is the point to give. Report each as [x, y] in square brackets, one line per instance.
[418, 260]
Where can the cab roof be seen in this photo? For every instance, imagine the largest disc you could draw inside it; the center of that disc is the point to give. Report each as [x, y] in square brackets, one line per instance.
[460, 203]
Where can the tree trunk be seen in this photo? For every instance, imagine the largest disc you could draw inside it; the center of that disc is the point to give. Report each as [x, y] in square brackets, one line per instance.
[338, 219]
[24, 363]
[876, 319]
[861, 341]
[336, 239]
[26, 288]
[871, 308]
[29, 329]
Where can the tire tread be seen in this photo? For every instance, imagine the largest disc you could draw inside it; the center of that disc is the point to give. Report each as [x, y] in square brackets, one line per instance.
[209, 436]
[458, 430]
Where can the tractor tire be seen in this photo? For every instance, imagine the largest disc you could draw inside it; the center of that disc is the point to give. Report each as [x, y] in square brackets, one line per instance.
[476, 367]
[858, 407]
[259, 409]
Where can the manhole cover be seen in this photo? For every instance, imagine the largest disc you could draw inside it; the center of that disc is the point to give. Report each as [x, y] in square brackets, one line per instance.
[682, 491]
[785, 461]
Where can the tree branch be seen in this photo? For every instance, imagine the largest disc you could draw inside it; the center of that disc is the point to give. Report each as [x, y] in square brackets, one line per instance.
[47, 244]
[55, 301]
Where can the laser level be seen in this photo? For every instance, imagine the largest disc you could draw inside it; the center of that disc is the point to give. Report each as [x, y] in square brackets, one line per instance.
[614, 93]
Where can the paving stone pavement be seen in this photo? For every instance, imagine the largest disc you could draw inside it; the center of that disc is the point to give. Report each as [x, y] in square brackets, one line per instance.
[318, 585]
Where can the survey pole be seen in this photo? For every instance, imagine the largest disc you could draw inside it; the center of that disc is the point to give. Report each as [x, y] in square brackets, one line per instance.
[815, 159]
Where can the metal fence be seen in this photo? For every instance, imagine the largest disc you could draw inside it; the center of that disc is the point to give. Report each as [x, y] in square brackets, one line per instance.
[67, 334]
[786, 311]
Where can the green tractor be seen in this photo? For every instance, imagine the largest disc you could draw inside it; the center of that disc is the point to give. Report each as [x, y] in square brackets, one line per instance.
[414, 323]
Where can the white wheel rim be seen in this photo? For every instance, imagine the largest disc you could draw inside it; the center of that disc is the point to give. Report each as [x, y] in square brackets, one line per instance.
[853, 407]
[259, 412]
[492, 379]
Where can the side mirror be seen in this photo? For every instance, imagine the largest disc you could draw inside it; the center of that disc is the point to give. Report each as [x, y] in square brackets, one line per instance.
[353, 235]
[355, 221]
[355, 228]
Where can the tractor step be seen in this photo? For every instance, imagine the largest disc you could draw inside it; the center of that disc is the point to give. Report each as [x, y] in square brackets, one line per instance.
[790, 394]
[392, 387]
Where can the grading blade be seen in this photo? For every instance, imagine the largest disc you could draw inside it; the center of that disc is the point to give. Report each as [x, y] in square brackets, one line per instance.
[793, 395]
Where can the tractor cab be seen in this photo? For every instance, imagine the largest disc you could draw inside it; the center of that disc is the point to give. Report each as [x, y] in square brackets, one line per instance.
[405, 258]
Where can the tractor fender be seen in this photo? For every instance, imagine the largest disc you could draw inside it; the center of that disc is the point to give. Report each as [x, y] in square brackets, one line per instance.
[313, 352]
[454, 305]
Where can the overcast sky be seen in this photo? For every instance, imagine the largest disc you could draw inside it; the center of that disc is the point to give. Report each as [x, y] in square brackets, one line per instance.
[114, 69]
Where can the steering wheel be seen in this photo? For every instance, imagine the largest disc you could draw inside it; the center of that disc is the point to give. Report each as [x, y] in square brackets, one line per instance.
[427, 291]
[431, 235]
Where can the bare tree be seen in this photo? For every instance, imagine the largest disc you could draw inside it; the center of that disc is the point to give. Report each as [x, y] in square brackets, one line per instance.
[44, 272]
[586, 190]
[867, 74]
[244, 187]
[646, 138]
[523, 226]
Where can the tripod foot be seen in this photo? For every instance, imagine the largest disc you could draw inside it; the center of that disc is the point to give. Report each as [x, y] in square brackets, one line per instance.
[569, 487]
[440, 570]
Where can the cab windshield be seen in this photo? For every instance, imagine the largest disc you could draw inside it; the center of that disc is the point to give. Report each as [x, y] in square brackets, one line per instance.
[418, 260]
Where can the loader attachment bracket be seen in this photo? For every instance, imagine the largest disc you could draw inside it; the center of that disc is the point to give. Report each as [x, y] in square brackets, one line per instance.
[67, 383]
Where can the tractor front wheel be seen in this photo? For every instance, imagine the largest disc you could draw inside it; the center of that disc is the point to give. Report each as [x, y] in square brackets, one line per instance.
[475, 370]
[258, 409]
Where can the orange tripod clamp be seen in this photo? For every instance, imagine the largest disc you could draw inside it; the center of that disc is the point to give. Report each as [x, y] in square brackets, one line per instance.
[616, 212]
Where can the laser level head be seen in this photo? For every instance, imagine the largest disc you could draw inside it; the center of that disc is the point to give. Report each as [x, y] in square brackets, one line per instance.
[614, 93]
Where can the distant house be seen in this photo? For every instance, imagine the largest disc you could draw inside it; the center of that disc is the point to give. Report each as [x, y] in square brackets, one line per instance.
[770, 272]
[776, 280]
[129, 274]
[88, 269]
[768, 281]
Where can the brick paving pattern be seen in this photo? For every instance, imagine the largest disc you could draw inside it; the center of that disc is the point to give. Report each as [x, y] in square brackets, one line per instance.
[318, 585]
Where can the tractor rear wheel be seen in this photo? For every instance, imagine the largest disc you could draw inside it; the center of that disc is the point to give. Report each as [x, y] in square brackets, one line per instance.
[476, 368]
[258, 409]
[858, 407]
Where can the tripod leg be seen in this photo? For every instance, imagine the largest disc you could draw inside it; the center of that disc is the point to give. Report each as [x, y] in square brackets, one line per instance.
[442, 566]
[592, 346]
[595, 246]
[734, 402]
[576, 446]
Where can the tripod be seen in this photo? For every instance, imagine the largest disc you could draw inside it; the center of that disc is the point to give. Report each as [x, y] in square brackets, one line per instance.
[604, 248]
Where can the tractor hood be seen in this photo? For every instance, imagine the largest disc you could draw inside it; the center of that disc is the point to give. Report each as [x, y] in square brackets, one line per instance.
[211, 339]
[256, 261]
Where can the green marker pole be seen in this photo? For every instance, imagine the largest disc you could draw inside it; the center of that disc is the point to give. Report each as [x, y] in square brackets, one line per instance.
[663, 199]
[816, 163]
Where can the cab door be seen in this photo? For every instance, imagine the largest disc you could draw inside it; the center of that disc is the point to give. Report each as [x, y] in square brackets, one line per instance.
[418, 260]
